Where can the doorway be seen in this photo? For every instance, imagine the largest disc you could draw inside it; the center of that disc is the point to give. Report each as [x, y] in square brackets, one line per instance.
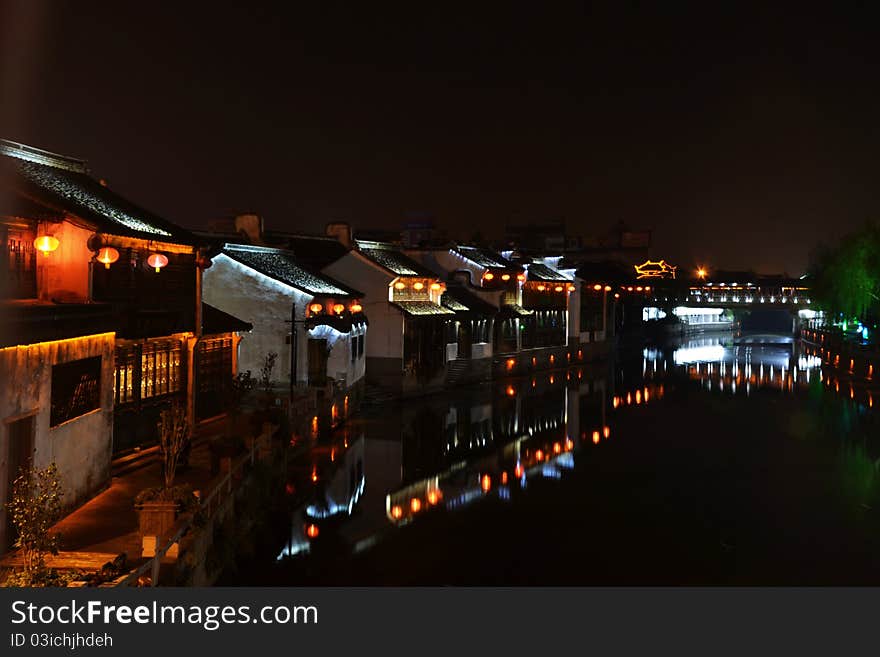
[19, 457]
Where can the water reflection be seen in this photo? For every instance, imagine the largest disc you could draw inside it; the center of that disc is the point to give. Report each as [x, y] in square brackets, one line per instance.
[394, 467]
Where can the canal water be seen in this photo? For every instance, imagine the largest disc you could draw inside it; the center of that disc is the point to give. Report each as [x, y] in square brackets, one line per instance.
[719, 460]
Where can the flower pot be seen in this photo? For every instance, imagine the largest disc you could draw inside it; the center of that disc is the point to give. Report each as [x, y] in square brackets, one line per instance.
[155, 520]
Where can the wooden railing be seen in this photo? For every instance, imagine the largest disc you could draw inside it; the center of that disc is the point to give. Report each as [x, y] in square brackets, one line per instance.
[207, 506]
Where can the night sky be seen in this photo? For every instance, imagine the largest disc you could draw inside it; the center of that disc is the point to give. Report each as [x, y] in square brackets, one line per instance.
[742, 139]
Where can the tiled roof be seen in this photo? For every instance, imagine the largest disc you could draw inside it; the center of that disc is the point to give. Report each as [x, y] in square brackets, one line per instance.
[512, 310]
[284, 267]
[393, 260]
[484, 257]
[457, 298]
[63, 185]
[539, 272]
[421, 308]
[216, 321]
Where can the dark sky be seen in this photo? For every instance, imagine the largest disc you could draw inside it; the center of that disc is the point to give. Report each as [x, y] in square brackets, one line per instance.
[742, 139]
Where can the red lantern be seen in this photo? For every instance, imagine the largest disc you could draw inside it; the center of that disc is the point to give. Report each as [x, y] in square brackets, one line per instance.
[46, 244]
[157, 261]
[107, 256]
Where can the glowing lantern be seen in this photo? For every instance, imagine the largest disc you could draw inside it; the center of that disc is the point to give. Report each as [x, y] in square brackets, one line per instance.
[647, 288]
[415, 504]
[608, 288]
[338, 308]
[505, 277]
[541, 288]
[396, 512]
[157, 261]
[597, 287]
[511, 363]
[558, 288]
[569, 445]
[616, 295]
[356, 307]
[435, 286]
[486, 483]
[552, 359]
[46, 244]
[639, 288]
[518, 471]
[418, 285]
[570, 287]
[520, 277]
[511, 391]
[312, 531]
[399, 285]
[107, 256]
[489, 276]
[316, 308]
[557, 448]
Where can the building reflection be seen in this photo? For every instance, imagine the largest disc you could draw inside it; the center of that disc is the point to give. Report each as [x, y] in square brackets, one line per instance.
[451, 451]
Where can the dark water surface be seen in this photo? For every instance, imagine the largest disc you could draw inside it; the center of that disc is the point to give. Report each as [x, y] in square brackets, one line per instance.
[717, 461]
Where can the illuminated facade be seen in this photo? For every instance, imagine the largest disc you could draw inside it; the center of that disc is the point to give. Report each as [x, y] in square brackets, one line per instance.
[100, 323]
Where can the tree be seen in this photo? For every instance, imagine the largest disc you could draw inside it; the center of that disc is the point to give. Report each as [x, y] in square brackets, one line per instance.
[34, 508]
[846, 279]
[173, 439]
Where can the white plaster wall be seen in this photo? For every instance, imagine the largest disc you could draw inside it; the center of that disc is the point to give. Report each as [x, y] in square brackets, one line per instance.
[339, 360]
[266, 304]
[481, 350]
[385, 339]
[81, 447]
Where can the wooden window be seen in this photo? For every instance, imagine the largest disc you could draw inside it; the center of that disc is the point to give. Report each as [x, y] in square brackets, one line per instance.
[160, 368]
[18, 262]
[76, 389]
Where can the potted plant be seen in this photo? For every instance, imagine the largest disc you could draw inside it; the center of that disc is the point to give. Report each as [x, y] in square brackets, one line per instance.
[159, 507]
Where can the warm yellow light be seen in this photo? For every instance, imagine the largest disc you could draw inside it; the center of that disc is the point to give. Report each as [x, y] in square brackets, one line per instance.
[511, 362]
[639, 288]
[505, 277]
[399, 285]
[339, 308]
[511, 391]
[597, 287]
[489, 276]
[558, 288]
[647, 288]
[46, 244]
[356, 307]
[107, 256]
[520, 277]
[539, 455]
[418, 285]
[157, 261]
[608, 288]
[312, 531]
[434, 496]
[701, 273]
[541, 288]
[518, 471]
[606, 431]
[615, 402]
[415, 504]
[435, 286]
[616, 295]
[552, 359]
[596, 438]
[316, 308]
[557, 448]
[486, 483]
[396, 512]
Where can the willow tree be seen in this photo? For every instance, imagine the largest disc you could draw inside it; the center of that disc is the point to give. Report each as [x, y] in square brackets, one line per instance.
[846, 278]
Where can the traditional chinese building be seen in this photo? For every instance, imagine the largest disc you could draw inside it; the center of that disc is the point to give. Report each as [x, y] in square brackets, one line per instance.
[101, 322]
[314, 324]
[409, 328]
